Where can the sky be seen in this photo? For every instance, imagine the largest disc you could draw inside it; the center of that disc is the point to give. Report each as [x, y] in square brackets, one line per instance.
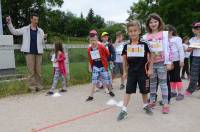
[110, 10]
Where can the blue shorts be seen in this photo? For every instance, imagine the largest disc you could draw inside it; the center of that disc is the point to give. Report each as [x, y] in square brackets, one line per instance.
[100, 72]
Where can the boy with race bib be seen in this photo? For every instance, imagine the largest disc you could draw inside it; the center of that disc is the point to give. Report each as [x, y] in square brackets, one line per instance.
[137, 58]
[98, 55]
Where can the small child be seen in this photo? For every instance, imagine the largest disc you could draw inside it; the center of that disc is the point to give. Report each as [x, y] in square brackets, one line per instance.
[178, 62]
[98, 55]
[159, 42]
[195, 67]
[136, 55]
[111, 58]
[118, 65]
[58, 59]
[186, 68]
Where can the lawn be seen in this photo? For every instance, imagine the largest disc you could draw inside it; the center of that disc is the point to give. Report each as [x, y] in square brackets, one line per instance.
[78, 72]
[78, 75]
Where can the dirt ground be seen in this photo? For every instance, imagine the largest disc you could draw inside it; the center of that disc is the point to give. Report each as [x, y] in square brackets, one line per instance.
[70, 113]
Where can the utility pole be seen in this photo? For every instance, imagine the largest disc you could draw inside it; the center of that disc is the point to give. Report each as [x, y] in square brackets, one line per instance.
[1, 24]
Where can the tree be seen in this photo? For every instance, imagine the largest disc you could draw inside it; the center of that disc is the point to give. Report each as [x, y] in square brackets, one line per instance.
[81, 16]
[112, 29]
[180, 13]
[78, 27]
[96, 21]
[90, 17]
[99, 22]
[20, 10]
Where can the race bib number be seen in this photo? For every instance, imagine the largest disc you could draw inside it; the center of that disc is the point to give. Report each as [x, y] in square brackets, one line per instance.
[95, 55]
[135, 50]
[156, 46]
[194, 45]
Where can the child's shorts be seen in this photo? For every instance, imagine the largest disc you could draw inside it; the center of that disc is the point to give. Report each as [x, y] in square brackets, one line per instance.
[118, 68]
[137, 78]
[100, 72]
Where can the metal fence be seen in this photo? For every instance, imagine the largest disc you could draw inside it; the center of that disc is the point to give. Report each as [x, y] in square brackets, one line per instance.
[47, 46]
[66, 47]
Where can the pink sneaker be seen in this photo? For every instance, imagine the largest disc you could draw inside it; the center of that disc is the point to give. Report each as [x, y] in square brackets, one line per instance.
[187, 93]
[165, 110]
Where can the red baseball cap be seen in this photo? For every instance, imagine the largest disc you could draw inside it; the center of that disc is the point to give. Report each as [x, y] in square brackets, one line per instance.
[196, 24]
[93, 33]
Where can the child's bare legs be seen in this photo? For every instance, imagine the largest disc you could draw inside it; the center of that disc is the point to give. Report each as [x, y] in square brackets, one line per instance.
[145, 98]
[122, 79]
[93, 89]
[127, 98]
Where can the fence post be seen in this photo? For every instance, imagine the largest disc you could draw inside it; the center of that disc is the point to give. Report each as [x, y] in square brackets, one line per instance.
[67, 61]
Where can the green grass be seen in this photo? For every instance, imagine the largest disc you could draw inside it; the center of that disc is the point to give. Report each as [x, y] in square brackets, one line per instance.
[78, 75]
[75, 55]
[67, 40]
[78, 69]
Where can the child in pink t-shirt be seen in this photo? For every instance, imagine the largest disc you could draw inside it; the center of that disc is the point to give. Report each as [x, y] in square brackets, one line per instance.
[159, 44]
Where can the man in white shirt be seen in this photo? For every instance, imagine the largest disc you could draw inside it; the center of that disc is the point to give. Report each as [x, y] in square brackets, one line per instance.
[32, 47]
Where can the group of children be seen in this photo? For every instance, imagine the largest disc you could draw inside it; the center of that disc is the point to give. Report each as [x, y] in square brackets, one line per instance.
[151, 61]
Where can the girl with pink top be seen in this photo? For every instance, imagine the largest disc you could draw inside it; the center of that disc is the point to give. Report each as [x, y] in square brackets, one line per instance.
[58, 59]
[159, 44]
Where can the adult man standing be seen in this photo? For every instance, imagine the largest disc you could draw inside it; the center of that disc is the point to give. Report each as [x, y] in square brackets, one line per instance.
[32, 47]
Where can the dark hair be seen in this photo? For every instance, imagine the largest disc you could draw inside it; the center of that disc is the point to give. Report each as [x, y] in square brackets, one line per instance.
[172, 29]
[134, 23]
[156, 17]
[119, 33]
[58, 47]
[185, 38]
[34, 15]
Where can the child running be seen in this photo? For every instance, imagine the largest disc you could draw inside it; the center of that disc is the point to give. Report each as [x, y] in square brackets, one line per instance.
[98, 55]
[135, 57]
[195, 67]
[118, 66]
[178, 62]
[58, 59]
[162, 61]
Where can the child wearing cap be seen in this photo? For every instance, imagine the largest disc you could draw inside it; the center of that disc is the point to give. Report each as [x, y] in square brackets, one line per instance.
[118, 66]
[112, 57]
[137, 58]
[195, 67]
[98, 55]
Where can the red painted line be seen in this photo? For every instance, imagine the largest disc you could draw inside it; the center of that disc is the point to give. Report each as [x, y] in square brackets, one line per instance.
[73, 119]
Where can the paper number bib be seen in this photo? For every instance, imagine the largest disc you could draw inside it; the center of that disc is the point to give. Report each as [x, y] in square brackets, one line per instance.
[156, 45]
[135, 50]
[194, 45]
[95, 54]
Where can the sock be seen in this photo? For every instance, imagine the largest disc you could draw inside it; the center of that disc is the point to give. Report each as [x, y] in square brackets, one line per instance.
[124, 108]
[144, 105]
[179, 87]
[173, 87]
